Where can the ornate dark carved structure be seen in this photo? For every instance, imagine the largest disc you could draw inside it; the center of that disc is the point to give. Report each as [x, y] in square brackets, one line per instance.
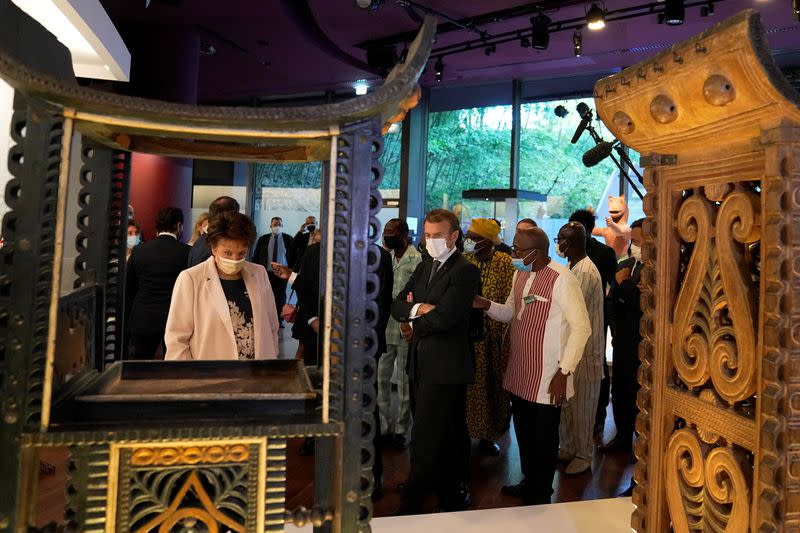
[143, 456]
[719, 133]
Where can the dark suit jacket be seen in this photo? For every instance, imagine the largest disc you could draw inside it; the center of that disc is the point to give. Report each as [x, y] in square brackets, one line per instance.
[384, 297]
[300, 247]
[149, 278]
[628, 314]
[306, 286]
[604, 258]
[199, 252]
[261, 252]
[441, 350]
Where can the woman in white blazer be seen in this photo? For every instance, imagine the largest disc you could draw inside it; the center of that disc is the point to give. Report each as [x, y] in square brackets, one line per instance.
[223, 308]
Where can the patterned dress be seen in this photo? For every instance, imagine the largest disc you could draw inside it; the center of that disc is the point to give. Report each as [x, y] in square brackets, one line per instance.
[488, 405]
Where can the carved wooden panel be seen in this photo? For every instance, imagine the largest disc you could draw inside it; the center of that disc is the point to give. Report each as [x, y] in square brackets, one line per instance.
[719, 423]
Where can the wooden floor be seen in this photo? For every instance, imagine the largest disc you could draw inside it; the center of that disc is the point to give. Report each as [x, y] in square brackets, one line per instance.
[610, 475]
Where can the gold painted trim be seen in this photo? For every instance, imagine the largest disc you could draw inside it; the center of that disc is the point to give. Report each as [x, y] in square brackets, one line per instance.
[160, 127]
[735, 428]
[328, 326]
[113, 486]
[262, 483]
[55, 286]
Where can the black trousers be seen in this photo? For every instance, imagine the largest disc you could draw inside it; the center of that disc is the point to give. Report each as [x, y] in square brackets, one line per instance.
[624, 388]
[440, 444]
[145, 345]
[536, 426]
[279, 290]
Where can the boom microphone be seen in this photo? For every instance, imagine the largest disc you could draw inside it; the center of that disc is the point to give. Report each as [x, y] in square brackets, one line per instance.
[596, 154]
[585, 121]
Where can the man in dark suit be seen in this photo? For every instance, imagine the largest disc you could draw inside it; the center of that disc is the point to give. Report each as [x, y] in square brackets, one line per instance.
[437, 302]
[200, 250]
[275, 247]
[628, 312]
[302, 241]
[150, 276]
[605, 259]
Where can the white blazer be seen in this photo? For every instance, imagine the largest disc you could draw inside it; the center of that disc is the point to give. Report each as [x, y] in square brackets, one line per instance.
[199, 324]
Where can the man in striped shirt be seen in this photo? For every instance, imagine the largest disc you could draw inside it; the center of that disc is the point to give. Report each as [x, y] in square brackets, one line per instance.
[549, 329]
[577, 416]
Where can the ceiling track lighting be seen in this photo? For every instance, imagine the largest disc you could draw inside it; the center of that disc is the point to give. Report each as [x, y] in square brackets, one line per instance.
[596, 17]
[577, 42]
[439, 69]
[540, 31]
[674, 12]
[707, 10]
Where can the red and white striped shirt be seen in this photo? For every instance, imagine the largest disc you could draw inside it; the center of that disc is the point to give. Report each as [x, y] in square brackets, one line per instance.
[549, 329]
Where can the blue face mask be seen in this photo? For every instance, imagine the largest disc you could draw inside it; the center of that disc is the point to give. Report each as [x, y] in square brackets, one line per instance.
[133, 240]
[519, 264]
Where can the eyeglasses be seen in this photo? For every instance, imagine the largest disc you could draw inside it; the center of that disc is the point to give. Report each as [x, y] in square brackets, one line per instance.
[519, 252]
[558, 239]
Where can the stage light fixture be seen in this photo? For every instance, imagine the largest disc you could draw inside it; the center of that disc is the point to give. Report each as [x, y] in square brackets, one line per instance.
[674, 12]
[577, 42]
[540, 31]
[595, 18]
[439, 69]
[561, 111]
[361, 87]
[708, 10]
[490, 49]
[796, 9]
[372, 5]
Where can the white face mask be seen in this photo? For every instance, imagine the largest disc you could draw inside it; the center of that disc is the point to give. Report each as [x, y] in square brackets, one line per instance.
[437, 248]
[636, 252]
[229, 266]
[469, 246]
[276, 230]
[560, 253]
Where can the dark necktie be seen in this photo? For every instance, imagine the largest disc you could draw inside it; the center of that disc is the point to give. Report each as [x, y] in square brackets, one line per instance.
[434, 268]
[275, 247]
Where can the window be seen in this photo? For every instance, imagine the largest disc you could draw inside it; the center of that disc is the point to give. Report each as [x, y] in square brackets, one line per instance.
[467, 149]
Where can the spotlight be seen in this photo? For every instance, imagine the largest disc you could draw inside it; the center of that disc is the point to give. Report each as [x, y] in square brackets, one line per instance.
[577, 42]
[490, 49]
[361, 87]
[439, 69]
[796, 9]
[596, 18]
[540, 33]
[561, 111]
[372, 5]
[707, 11]
[674, 12]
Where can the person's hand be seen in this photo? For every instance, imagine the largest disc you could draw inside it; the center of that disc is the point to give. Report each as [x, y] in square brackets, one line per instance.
[479, 302]
[406, 331]
[410, 297]
[315, 325]
[623, 274]
[424, 309]
[558, 389]
[282, 271]
[609, 221]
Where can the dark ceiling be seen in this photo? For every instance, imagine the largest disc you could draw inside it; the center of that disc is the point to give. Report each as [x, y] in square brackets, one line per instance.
[268, 49]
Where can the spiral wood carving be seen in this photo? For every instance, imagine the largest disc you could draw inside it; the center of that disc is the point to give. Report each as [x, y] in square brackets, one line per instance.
[707, 488]
[714, 333]
[691, 335]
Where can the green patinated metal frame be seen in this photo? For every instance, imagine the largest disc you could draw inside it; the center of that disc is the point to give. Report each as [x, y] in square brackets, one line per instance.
[48, 109]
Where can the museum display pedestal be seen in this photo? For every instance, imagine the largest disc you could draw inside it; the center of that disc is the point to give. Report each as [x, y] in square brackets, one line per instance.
[611, 515]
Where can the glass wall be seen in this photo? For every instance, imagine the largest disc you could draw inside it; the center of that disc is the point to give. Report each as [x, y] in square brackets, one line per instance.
[467, 149]
[550, 164]
[292, 190]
